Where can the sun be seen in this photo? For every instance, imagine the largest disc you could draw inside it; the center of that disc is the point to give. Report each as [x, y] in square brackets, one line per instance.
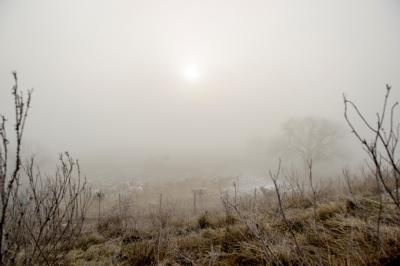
[191, 73]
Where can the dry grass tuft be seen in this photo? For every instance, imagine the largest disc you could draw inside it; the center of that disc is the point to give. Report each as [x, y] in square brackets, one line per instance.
[204, 221]
[110, 227]
[86, 241]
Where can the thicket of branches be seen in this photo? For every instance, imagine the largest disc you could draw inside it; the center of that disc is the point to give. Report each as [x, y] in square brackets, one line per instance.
[41, 216]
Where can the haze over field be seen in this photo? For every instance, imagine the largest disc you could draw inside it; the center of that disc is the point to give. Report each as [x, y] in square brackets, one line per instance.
[163, 89]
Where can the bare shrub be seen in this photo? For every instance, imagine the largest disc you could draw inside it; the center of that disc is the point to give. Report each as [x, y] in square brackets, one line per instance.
[274, 177]
[382, 147]
[41, 217]
[9, 178]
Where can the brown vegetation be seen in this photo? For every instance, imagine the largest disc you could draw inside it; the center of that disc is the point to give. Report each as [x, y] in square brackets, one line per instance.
[343, 232]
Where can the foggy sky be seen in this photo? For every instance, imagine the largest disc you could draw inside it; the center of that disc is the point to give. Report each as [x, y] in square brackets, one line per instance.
[109, 88]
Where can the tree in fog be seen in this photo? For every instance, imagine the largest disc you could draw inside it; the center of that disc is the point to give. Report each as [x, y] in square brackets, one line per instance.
[309, 138]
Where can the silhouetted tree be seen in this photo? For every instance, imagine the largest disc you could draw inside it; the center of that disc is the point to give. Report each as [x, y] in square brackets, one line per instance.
[311, 138]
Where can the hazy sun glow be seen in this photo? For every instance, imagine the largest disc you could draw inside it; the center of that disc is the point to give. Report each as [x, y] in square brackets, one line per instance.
[191, 73]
